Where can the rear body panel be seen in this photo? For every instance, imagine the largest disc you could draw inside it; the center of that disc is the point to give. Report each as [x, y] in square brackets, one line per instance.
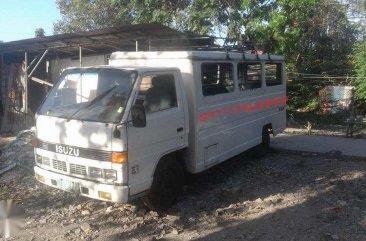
[234, 128]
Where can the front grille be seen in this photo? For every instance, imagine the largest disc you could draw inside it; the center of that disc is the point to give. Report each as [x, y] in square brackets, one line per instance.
[59, 165]
[83, 152]
[77, 169]
[96, 155]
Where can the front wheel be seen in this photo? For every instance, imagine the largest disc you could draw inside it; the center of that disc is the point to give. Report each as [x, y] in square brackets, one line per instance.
[167, 184]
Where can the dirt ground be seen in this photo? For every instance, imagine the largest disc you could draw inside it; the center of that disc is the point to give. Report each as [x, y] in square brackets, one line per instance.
[284, 196]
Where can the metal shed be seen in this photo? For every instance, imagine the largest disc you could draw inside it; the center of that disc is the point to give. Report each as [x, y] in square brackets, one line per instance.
[28, 67]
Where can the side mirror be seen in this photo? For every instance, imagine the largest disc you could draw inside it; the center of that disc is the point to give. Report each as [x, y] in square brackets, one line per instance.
[138, 115]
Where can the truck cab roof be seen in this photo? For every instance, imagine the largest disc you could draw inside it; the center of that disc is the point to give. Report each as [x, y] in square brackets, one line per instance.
[140, 69]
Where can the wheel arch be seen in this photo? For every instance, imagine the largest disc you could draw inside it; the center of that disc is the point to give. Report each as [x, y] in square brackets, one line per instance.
[169, 166]
[177, 155]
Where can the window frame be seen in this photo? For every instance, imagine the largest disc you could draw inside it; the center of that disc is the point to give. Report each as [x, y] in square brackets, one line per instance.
[152, 74]
[279, 76]
[242, 81]
[231, 77]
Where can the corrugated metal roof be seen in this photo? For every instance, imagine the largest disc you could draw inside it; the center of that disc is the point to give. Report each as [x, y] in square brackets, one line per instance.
[106, 40]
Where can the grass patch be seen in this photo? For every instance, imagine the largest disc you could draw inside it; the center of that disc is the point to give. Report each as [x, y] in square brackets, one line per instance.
[319, 121]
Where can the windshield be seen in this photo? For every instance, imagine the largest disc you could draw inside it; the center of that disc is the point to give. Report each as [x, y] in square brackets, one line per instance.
[90, 94]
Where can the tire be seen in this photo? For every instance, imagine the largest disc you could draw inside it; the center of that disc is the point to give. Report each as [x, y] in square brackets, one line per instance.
[167, 185]
[262, 149]
[266, 140]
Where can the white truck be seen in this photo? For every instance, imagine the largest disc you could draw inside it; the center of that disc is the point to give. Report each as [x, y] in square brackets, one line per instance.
[134, 127]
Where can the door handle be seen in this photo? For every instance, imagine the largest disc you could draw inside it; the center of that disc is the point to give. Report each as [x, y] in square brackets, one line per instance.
[180, 129]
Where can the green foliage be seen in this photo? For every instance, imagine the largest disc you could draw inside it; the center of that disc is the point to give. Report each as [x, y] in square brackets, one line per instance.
[304, 95]
[359, 54]
[314, 35]
[39, 32]
[82, 15]
[166, 12]
[206, 16]
[357, 10]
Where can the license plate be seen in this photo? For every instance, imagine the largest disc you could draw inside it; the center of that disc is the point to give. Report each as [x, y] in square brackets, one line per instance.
[67, 185]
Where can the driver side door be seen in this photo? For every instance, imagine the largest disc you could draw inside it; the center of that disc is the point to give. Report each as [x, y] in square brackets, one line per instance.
[164, 131]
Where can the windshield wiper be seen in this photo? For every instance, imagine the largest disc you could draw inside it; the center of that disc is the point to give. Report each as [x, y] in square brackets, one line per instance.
[99, 97]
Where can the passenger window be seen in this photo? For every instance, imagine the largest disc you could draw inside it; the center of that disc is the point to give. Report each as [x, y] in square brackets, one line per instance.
[157, 92]
[273, 74]
[249, 75]
[217, 78]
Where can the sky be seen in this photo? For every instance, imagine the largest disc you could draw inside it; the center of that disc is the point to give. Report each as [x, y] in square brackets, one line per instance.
[19, 18]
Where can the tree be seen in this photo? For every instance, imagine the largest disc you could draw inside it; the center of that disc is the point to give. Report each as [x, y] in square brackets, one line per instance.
[82, 15]
[39, 32]
[200, 16]
[170, 13]
[360, 70]
[314, 35]
[356, 11]
[328, 40]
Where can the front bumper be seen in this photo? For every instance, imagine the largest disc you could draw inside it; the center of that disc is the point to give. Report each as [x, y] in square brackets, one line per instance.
[86, 188]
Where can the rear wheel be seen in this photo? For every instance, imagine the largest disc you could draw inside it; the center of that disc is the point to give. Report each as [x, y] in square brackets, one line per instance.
[262, 149]
[266, 140]
[167, 184]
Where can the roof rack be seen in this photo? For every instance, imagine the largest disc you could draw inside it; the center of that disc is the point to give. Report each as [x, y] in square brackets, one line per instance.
[204, 43]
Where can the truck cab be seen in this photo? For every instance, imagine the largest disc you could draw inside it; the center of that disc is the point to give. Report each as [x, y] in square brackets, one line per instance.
[96, 127]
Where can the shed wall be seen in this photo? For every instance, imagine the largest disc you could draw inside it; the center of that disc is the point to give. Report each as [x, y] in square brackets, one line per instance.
[57, 65]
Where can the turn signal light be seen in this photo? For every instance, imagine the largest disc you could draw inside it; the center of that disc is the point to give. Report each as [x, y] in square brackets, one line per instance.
[119, 157]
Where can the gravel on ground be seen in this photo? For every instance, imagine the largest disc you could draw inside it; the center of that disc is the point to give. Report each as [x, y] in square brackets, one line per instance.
[284, 196]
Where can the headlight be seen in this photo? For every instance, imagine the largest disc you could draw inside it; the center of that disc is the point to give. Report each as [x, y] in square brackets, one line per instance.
[95, 172]
[110, 174]
[39, 159]
[46, 161]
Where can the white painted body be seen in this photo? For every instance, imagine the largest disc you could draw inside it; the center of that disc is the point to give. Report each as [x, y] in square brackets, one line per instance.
[215, 128]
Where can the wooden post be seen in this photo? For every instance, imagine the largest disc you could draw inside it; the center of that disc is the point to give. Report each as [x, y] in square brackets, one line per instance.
[26, 83]
[80, 57]
[1, 76]
[2, 90]
[349, 131]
